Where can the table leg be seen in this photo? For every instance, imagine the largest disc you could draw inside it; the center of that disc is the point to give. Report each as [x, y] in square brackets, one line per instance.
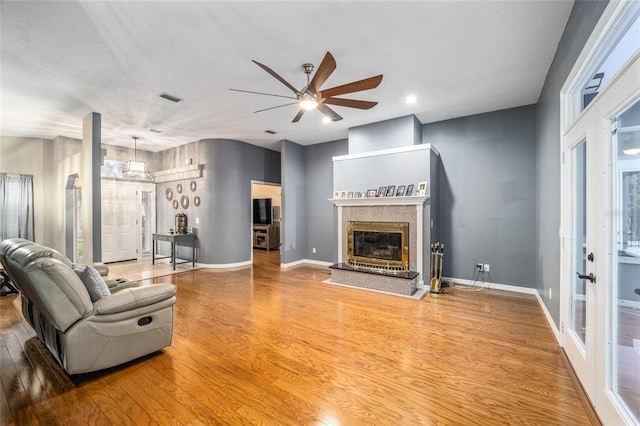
[193, 253]
[153, 252]
[173, 255]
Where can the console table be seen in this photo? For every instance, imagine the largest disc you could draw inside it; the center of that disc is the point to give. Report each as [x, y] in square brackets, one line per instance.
[266, 236]
[175, 240]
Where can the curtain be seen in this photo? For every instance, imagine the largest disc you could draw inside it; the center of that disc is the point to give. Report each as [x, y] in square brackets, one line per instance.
[16, 206]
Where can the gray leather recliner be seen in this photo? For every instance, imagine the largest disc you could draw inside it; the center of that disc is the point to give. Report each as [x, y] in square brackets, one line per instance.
[82, 335]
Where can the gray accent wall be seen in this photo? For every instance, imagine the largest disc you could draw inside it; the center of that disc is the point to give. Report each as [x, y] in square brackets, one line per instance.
[393, 133]
[321, 214]
[584, 16]
[224, 232]
[294, 199]
[487, 193]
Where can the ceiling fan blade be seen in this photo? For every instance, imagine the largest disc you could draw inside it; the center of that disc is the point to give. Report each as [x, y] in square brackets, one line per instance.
[351, 103]
[298, 115]
[277, 77]
[328, 112]
[278, 106]
[261, 93]
[356, 86]
[327, 66]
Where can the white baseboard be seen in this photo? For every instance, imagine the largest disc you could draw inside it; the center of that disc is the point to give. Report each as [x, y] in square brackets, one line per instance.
[305, 262]
[494, 286]
[515, 289]
[224, 265]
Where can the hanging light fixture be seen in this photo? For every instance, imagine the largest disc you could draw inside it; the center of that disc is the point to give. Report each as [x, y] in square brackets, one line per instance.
[136, 169]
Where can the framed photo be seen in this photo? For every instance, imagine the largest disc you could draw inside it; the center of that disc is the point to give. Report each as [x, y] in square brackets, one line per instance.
[336, 194]
[400, 191]
[409, 190]
[381, 191]
[371, 193]
[422, 188]
[349, 194]
[390, 190]
[357, 195]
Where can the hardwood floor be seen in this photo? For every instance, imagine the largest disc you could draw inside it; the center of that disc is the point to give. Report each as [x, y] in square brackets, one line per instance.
[265, 346]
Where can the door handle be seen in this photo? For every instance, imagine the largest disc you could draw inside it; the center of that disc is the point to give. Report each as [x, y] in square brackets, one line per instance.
[589, 277]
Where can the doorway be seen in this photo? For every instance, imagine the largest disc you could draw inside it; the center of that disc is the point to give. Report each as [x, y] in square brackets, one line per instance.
[128, 219]
[601, 247]
[266, 219]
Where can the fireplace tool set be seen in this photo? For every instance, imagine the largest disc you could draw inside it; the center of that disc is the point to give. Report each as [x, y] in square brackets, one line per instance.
[437, 252]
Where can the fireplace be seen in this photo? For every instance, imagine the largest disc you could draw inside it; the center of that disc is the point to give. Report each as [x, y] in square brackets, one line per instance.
[381, 246]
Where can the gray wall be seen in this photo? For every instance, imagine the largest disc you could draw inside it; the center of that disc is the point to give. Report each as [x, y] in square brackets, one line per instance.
[393, 133]
[294, 212]
[224, 231]
[321, 214]
[583, 18]
[486, 200]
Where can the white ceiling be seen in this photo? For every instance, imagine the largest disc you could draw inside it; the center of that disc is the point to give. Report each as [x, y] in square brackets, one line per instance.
[62, 60]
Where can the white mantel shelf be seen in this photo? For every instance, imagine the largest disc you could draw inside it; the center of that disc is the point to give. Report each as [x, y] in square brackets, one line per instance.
[381, 201]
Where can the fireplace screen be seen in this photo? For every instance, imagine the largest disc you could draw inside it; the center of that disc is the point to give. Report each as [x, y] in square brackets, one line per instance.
[378, 245]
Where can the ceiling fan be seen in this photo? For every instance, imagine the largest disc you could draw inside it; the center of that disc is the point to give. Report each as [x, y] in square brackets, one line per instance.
[311, 97]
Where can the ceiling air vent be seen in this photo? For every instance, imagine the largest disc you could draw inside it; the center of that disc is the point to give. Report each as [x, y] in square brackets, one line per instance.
[271, 132]
[170, 97]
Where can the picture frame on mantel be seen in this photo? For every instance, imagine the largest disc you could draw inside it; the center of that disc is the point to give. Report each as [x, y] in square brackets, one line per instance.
[400, 191]
[409, 191]
[422, 188]
[381, 191]
[371, 193]
[390, 190]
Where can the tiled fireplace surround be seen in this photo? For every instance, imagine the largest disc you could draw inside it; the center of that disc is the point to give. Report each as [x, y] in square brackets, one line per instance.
[397, 209]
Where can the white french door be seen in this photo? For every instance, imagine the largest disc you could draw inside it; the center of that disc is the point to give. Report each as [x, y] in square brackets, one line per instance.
[601, 248]
[580, 248]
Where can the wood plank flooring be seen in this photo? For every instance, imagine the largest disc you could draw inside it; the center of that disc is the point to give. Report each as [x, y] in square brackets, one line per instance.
[265, 346]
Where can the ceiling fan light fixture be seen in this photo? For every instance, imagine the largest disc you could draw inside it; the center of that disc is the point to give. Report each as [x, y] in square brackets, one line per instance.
[308, 102]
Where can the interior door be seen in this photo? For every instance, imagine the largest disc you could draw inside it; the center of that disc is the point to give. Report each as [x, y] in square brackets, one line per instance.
[580, 249]
[119, 221]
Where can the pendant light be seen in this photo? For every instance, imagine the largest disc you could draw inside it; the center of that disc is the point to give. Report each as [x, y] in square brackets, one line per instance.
[136, 169]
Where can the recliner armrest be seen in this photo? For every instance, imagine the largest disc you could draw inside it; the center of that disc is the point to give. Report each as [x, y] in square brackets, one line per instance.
[102, 269]
[131, 298]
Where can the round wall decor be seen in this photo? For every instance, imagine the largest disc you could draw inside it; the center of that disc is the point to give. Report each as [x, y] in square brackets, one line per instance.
[196, 201]
[169, 194]
[179, 188]
[175, 204]
[193, 185]
[184, 201]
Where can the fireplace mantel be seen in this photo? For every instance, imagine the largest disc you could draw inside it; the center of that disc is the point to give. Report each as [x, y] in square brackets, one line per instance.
[381, 201]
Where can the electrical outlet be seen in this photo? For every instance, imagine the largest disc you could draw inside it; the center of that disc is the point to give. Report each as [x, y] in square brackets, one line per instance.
[487, 267]
[313, 249]
[197, 220]
[480, 267]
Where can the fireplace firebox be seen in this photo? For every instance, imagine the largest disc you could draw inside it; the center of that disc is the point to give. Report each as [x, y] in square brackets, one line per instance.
[378, 245]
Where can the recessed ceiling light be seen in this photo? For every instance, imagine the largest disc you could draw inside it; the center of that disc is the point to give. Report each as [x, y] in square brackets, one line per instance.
[271, 132]
[326, 120]
[411, 99]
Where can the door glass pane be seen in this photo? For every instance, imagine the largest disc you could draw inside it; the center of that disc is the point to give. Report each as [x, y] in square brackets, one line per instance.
[145, 209]
[578, 293]
[626, 276]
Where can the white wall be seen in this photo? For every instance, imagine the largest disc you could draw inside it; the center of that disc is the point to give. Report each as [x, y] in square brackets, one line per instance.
[27, 156]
